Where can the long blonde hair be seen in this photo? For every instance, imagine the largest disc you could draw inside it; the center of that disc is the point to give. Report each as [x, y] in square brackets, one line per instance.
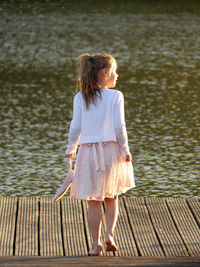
[88, 69]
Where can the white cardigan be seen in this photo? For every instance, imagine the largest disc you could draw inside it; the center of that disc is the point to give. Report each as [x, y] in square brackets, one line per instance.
[101, 123]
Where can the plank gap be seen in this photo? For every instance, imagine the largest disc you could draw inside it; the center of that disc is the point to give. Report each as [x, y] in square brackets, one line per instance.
[39, 227]
[138, 250]
[194, 215]
[15, 232]
[84, 225]
[61, 225]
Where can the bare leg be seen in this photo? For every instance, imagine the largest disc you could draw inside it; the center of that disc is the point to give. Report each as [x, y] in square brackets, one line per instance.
[94, 221]
[111, 215]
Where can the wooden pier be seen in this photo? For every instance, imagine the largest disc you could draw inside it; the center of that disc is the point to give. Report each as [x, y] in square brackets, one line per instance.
[146, 227]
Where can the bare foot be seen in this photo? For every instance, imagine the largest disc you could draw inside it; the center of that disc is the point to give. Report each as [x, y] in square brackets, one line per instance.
[110, 246]
[96, 251]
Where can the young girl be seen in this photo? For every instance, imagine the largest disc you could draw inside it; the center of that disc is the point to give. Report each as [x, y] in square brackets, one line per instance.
[103, 167]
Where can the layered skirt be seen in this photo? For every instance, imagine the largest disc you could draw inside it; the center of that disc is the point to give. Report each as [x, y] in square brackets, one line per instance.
[101, 172]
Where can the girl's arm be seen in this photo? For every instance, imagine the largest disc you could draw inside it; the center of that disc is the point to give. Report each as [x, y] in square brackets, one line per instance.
[75, 128]
[120, 126]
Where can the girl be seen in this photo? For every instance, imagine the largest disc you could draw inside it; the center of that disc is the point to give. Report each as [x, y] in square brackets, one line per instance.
[103, 167]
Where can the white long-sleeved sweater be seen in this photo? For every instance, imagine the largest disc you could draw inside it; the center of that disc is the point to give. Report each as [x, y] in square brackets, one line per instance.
[101, 123]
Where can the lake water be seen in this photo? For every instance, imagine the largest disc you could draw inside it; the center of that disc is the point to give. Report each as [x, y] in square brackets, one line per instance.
[157, 49]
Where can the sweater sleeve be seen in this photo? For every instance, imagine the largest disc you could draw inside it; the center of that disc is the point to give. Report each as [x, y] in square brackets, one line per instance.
[120, 125]
[75, 127]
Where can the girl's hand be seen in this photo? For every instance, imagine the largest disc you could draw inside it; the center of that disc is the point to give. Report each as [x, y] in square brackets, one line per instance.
[72, 155]
[128, 158]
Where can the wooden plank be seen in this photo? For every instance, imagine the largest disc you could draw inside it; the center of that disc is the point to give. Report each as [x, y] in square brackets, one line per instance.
[8, 217]
[123, 234]
[73, 227]
[100, 261]
[27, 227]
[157, 226]
[186, 224]
[167, 233]
[142, 227]
[50, 228]
[194, 205]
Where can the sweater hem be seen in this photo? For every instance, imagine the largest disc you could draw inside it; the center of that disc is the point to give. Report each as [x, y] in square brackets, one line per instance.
[96, 139]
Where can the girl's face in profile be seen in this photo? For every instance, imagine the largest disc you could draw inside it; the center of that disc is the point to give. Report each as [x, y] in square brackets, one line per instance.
[112, 79]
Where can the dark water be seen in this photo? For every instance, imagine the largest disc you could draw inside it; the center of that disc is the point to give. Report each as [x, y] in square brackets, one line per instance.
[156, 45]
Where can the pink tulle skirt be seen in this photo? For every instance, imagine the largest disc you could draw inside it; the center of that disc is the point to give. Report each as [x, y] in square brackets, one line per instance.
[101, 172]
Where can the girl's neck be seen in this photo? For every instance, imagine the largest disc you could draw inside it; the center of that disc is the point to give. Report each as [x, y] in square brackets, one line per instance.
[102, 86]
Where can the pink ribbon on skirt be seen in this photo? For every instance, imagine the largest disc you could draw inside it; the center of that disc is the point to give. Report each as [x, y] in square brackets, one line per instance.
[101, 160]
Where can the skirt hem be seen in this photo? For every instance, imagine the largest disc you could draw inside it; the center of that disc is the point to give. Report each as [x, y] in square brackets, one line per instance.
[102, 197]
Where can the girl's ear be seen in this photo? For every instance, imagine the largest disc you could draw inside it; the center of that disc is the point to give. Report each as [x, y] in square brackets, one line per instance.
[104, 72]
